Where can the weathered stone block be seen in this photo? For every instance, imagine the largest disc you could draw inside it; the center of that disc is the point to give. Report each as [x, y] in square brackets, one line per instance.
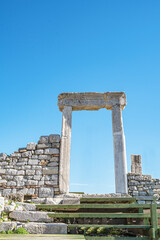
[24, 216]
[49, 171]
[27, 206]
[45, 192]
[27, 154]
[33, 162]
[54, 138]
[32, 182]
[15, 155]
[11, 171]
[11, 183]
[44, 145]
[43, 139]
[39, 151]
[52, 164]
[55, 145]
[51, 151]
[54, 159]
[31, 146]
[45, 228]
[44, 157]
[5, 226]
[30, 172]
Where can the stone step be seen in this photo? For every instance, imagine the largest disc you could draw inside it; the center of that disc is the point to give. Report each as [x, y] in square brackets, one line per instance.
[31, 216]
[36, 228]
[45, 228]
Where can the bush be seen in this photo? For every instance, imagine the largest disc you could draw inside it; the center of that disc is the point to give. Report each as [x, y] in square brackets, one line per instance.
[21, 231]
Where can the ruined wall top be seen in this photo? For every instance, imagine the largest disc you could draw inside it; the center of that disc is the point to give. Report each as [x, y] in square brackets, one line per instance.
[91, 100]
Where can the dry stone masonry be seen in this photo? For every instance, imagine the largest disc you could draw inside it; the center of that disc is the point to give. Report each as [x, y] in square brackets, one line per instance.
[143, 187]
[32, 171]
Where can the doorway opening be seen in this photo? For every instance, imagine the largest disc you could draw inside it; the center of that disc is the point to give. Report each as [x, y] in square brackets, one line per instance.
[92, 161]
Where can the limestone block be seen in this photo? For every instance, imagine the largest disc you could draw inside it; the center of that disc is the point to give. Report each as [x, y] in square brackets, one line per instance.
[22, 159]
[37, 177]
[27, 206]
[15, 155]
[38, 172]
[20, 184]
[54, 159]
[39, 151]
[3, 156]
[43, 139]
[44, 157]
[55, 145]
[37, 167]
[30, 172]
[6, 191]
[44, 145]
[11, 183]
[11, 172]
[34, 156]
[21, 163]
[10, 208]
[91, 100]
[50, 170]
[27, 154]
[54, 138]
[32, 216]
[29, 177]
[31, 146]
[45, 192]
[5, 226]
[50, 183]
[21, 172]
[41, 183]
[33, 162]
[52, 164]
[45, 228]
[32, 182]
[51, 151]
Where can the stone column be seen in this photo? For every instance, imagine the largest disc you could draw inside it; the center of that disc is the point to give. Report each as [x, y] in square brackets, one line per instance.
[64, 172]
[136, 164]
[120, 162]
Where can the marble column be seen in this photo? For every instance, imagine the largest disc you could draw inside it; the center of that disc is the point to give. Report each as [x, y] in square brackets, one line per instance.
[120, 162]
[64, 172]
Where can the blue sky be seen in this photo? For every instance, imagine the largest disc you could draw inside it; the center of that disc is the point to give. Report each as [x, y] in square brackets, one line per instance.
[48, 47]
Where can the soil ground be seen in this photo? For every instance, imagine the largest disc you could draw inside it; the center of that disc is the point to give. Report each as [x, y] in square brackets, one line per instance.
[40, 237]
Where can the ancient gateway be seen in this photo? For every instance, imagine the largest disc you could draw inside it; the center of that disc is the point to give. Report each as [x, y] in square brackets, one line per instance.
[115, 101]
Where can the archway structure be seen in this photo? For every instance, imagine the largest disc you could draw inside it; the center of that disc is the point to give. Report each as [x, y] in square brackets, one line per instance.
[115, 101]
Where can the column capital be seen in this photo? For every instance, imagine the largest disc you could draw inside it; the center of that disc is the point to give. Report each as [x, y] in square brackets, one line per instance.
[115, 98]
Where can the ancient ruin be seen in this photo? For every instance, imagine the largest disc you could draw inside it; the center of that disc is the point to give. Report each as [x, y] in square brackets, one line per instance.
[115, 101]
[36, 178]
[42, 170]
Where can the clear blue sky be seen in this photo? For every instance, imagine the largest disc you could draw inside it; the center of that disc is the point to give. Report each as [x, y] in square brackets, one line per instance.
[48, 47]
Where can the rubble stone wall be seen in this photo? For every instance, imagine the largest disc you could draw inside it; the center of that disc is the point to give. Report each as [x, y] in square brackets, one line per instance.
[143, 187]
[32, 171]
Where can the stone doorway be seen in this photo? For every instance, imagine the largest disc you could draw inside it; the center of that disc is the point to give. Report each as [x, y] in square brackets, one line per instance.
[115, 101]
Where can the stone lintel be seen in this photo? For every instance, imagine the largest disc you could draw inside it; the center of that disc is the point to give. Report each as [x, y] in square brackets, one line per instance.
[91, 100]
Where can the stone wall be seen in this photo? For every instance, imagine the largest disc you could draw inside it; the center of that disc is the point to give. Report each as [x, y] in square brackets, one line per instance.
[32, 171]
[143, 187]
